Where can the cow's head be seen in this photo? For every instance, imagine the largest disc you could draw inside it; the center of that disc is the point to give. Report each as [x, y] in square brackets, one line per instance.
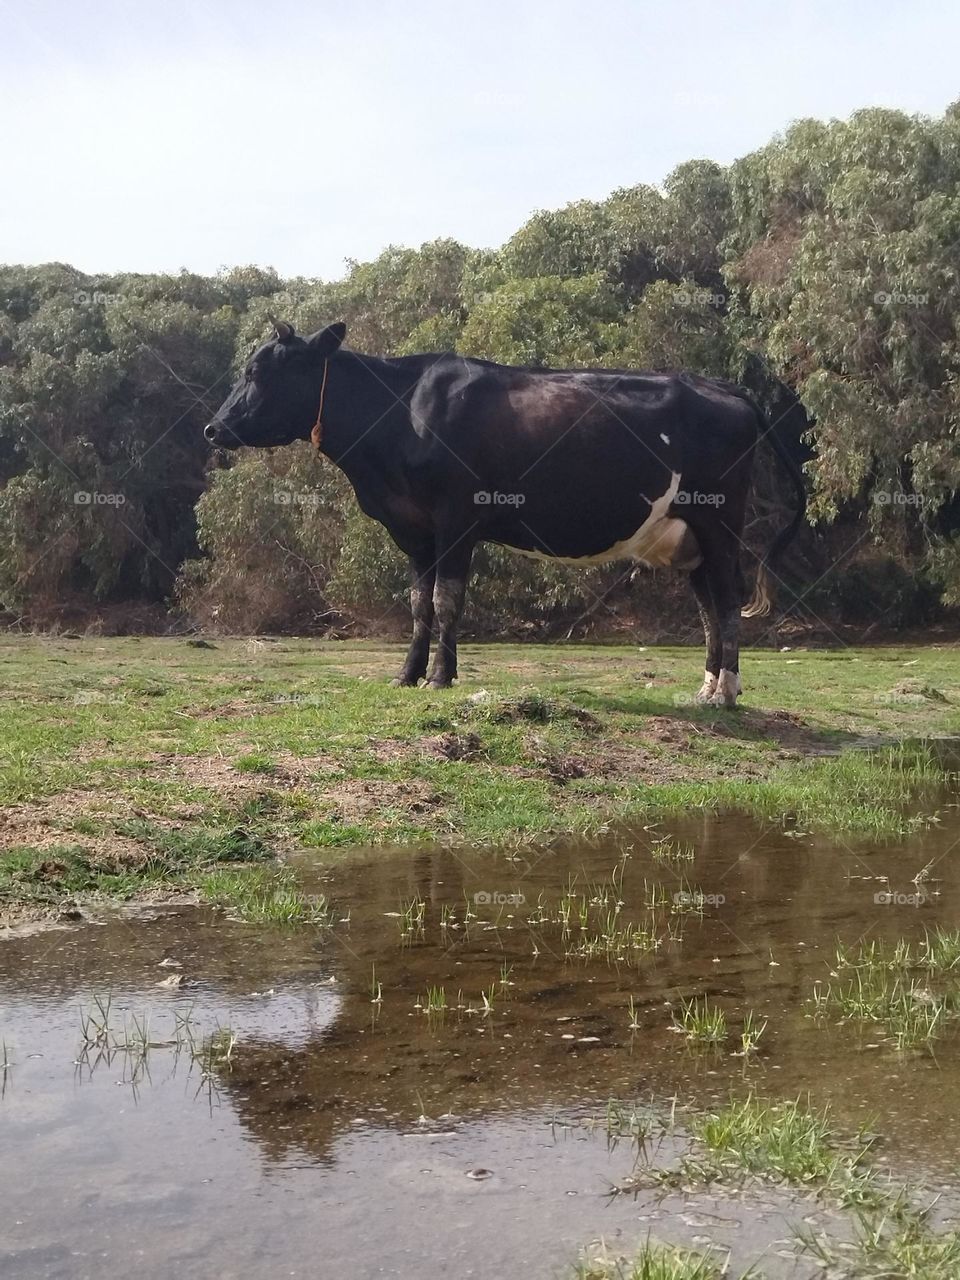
[277, 399]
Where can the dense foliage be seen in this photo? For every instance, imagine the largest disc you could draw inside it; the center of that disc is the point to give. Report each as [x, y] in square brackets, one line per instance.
[822, 270]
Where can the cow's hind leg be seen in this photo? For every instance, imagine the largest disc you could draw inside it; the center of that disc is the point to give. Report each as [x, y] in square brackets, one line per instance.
[724, 580]
[700, 581]
[423, 572]
[449, 592]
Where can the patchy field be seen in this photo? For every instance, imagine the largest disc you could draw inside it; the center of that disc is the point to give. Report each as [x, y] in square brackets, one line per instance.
[136, 767]
[623, 986]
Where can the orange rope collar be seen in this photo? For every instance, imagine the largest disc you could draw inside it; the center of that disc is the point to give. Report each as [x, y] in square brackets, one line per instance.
[316, 435]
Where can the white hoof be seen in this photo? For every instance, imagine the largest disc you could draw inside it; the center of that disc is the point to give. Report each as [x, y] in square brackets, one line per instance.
[708, 688]
[727, 690]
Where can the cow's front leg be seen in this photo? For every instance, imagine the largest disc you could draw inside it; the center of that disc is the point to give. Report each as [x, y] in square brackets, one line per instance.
[450, 589]
[423, 572]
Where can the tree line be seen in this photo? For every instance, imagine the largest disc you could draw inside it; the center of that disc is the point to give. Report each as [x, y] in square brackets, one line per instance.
[822, 271]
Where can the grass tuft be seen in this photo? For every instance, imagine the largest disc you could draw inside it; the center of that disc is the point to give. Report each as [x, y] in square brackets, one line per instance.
[657, 1262]
[264, 895]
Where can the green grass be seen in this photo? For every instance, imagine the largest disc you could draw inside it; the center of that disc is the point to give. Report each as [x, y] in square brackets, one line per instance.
[264, 895]
[911, 992]
[660, 1262]
[881, 1233]
[160, 861]
[435, 1001]
[751, 1033]
[304, 743]
[892, 1243]
[254, 763]
[785, 1141]
[700, 1021]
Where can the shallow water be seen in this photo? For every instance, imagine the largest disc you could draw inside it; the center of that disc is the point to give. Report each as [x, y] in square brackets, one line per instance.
[375, 1139]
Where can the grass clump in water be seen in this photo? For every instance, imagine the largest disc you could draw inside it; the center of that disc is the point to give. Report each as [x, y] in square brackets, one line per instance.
[912, 992]
[889, 1238]
[700, 1021]
[895, 1242]
[265, 895]
[783, 1142]
[659, 1262]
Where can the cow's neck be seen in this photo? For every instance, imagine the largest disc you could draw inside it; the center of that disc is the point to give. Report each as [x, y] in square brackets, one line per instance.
[365, 411]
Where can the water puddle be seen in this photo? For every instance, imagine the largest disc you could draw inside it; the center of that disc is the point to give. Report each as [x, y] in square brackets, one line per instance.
[421, 1090]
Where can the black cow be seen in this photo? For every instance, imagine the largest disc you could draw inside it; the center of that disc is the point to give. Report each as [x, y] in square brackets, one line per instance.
[578, 465]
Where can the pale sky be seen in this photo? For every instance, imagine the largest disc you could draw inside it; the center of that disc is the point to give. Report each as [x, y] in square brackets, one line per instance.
[297, 134]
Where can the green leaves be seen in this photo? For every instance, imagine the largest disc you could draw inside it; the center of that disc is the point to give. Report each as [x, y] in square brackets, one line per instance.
[827, 258]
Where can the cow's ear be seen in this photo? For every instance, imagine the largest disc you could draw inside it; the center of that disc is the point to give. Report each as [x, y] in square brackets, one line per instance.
[284, 332]
[326, 341]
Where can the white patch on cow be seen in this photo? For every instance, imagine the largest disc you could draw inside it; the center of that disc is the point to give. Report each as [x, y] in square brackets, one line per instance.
[708, 688]
[665, 439]
[655, 543]
[728, 688]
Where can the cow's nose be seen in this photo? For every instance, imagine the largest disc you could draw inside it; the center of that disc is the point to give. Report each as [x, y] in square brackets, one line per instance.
[210, 432]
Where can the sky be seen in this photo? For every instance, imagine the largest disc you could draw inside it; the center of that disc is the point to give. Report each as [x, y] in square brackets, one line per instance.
[305, 133]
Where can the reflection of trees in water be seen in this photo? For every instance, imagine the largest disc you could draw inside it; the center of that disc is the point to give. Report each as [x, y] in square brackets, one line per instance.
[560, 1028]
[386, 1063]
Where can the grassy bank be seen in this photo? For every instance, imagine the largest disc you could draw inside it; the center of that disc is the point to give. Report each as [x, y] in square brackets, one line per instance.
[876, 1228]
[149, 763]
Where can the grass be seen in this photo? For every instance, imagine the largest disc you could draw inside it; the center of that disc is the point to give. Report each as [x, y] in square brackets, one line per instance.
[108, 1036]
[660, 1262]
[893, 1243]
[701, 1022]
[136, 763]
[55, 874]
[435, 1001]
[911, 992]
[883, 1236]
[786, 1141]
[751, 1034]
[265, 895]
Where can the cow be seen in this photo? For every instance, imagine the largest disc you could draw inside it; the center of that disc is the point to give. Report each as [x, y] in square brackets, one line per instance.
[582, 466]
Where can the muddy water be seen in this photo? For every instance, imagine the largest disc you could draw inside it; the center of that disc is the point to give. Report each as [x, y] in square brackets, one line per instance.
[362, 1138]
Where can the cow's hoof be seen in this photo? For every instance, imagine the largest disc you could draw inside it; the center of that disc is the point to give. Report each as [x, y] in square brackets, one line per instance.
[722, 700]
[404, 682]
[727, 690]
[439, 684]
[707, 689]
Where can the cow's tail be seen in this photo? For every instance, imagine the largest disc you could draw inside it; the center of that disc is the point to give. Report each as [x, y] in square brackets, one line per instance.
[761, 602]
